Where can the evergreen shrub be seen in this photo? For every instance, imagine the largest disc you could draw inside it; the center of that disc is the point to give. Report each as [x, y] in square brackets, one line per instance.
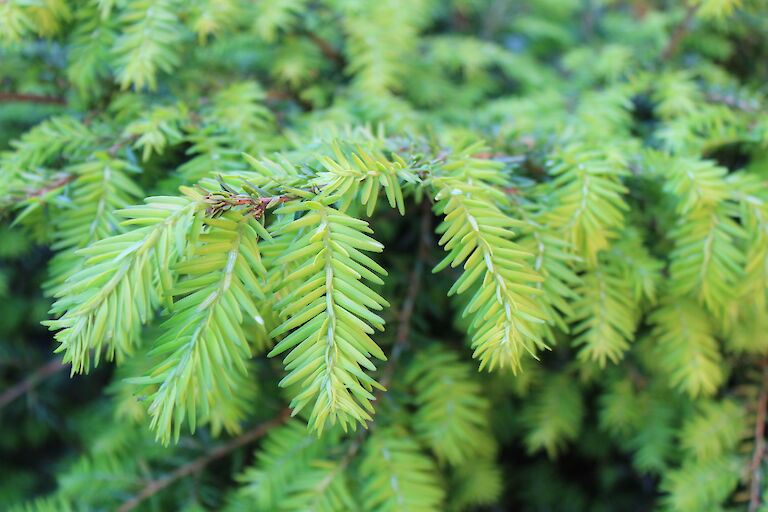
[383, 255]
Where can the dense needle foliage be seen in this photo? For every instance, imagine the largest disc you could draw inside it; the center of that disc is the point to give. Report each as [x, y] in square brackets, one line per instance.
[385, 255]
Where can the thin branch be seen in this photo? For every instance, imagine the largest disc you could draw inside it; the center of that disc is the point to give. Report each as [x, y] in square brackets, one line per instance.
[679, 33]
[66, 178]
[198, 464]
[404, 322]
[121, 143]
[222, 201]
[414, 286]
[10, 97]
[50, 368]
[60, 182]
[732, 102]
[755, 469]
[495, 17]
[57, 183]
[326, 48]
[278, 95]
[588, 21]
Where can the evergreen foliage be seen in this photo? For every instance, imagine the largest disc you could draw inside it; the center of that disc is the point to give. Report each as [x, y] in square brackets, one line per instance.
[221, 216]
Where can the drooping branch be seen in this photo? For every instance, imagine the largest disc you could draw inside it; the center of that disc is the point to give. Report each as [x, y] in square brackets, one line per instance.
[198, 464]
[50, 368]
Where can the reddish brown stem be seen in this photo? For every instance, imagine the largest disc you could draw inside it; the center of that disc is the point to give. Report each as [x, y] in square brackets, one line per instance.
[59, 182]
[414, 285]
[198, 464]
[23, 387]
[732, 102]
[52, 186]
[258, 205]
[679, 33]
[120, 144]
[325, 48]
[8, 97]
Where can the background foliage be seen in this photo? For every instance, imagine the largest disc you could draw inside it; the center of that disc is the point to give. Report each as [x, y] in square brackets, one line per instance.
[586, 178]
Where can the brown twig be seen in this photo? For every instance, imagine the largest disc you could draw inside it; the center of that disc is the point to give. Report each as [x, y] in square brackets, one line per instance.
[50, 368]
[755, 469]
[198, 464]
[588, 21]
[59, 182]
[278, 95]
[414, 285]
[326, 48]
[52, 186]
[121, 143]
[8, 97]
[732, 102]
[404, 321]
[63, 180]
[679, 33]
[222, 201]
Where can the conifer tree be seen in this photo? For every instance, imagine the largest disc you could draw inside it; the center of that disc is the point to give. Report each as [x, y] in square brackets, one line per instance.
[382, 256]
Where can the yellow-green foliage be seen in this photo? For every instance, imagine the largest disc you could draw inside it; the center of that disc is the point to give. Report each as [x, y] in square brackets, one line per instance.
[413, 255]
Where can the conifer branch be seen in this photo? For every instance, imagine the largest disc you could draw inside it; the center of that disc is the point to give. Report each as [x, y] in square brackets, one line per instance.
[755, 468]
[134, 269]
[687, 349]
[198, 464]
[451, 409]
[476, 233]
[560, 210]
[217, 293]
[329, 330]
[397, 475]
[50, 368]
